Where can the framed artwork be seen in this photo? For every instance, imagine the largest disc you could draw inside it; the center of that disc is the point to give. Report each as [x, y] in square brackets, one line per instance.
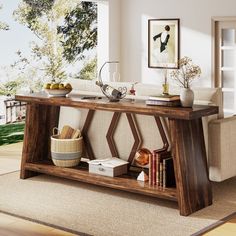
[163, 43]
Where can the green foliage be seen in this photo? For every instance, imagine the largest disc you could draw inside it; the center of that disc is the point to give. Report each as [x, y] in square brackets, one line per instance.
[79, 31]
[43, 17]
[11, 133]
[88, 72]
[35, 10]
[58, 44]
[10, 87]
[21, 61]
[30, 11]
[28, 76]
[3, 25]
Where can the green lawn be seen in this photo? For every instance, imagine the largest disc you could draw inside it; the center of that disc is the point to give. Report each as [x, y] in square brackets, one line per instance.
[11, 133]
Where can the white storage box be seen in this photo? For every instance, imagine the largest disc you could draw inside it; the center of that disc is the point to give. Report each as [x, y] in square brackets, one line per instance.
[109, 167]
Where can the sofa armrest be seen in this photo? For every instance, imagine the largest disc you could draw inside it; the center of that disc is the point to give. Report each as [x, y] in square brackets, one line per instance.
[222, 148]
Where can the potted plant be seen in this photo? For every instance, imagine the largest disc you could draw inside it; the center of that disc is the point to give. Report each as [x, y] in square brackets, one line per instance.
[184, 76]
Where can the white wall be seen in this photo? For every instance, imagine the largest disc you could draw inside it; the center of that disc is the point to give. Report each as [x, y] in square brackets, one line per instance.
[195, 34]
[108, 48]
[103, 33]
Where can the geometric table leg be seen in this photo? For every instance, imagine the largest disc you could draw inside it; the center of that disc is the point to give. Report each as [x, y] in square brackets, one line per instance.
[136, 134]
[163, 135]
[110, 133]
[84, 132]
[40, 120]
[190, 164]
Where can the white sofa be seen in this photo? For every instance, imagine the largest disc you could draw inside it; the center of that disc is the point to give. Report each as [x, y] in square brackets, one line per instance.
[220, 133]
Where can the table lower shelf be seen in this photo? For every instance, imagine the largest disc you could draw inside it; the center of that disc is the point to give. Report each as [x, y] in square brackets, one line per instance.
[124, 182]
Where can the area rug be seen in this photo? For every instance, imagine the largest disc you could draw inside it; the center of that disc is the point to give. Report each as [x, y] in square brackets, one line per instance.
[225, 226]
[100, 211]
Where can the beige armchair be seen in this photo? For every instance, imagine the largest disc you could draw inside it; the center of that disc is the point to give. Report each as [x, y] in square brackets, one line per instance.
[222, 146]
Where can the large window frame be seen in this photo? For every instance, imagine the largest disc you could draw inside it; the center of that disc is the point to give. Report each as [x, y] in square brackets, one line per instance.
[224, 61]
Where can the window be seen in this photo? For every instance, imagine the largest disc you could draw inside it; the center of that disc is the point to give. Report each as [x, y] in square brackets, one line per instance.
[224, 61]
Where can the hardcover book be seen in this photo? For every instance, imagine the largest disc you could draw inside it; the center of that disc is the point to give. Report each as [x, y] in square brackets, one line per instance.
[168, 173]
[154, 165]
[159, 165]
[174, 103]
[165, 97]
[150, 173]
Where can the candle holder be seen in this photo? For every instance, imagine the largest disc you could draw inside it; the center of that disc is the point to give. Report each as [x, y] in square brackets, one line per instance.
[165, 89]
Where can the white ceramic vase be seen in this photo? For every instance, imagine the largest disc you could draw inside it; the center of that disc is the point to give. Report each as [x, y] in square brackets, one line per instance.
[186, 97]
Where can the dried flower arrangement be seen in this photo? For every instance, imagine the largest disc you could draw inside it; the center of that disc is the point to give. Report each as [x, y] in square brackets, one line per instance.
[186, 73]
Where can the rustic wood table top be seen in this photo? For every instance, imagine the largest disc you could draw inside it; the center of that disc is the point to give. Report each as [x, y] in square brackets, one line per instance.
[124, 105]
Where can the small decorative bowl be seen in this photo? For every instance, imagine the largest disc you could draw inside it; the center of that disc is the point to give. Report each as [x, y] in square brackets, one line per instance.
[57, 92]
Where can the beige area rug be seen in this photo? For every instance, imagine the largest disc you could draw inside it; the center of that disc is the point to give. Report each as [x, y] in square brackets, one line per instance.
[101, 211]
[10, 156]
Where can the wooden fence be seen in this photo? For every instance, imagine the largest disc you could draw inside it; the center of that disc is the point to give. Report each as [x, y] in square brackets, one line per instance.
[15, 111]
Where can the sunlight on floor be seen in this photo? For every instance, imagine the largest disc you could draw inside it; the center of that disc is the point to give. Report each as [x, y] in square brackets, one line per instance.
[14, 226]
[10, 156]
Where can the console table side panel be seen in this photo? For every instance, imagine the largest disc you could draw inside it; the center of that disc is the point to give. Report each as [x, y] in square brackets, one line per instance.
[40, 120]
[191, 172]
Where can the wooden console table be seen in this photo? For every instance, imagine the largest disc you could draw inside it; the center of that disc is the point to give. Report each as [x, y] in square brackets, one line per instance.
[193, 188]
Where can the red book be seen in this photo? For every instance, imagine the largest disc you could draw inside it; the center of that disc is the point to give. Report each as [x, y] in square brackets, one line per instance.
[161, 174]
[158, 169]
[159, 165]
[150, 169]
[154, 168]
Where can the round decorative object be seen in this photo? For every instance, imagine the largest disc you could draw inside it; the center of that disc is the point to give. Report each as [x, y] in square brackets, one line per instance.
[186, 97]
[142, 156]
[57, 92]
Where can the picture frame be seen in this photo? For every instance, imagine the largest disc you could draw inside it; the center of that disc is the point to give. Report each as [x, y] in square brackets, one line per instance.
[163, 43]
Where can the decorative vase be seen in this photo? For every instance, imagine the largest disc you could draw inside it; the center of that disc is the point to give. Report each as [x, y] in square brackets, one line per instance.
[186, 97]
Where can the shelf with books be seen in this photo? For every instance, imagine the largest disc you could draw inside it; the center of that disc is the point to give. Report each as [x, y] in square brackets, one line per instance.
[161, 169]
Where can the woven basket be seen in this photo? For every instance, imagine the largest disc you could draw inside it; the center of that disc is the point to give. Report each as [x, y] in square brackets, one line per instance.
[66, 152]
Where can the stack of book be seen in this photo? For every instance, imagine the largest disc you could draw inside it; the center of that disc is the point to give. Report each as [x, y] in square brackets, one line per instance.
[164, 100]
[161, 169]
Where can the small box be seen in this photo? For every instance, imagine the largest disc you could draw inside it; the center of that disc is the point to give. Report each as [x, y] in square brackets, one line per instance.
[109, 167]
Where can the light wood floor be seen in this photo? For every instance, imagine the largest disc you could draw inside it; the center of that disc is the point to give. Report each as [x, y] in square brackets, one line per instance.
[12, 151]
[228, 228]
[10, 156]
[14, 226]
